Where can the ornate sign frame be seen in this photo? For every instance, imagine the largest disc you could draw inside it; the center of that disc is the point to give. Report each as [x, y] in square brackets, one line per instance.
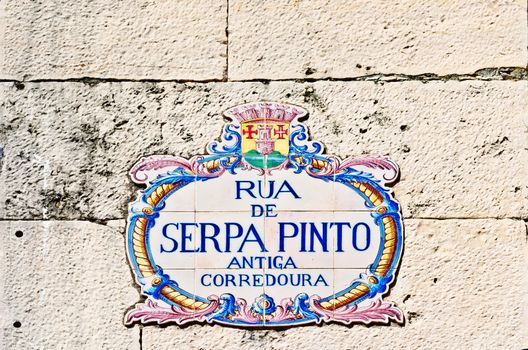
[164, 175]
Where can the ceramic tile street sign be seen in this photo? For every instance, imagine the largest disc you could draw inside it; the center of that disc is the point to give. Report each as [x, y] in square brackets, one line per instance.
[264, 230]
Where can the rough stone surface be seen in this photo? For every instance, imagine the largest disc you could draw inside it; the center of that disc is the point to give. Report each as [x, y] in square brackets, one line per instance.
[79, 105]
[68, 285]
[67, 147]
[458, 286]
[296, 39]
[164, 39]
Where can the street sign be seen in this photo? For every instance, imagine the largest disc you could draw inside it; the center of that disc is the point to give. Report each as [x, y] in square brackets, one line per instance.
[264, 230]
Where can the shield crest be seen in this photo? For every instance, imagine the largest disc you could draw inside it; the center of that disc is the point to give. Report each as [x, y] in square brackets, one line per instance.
[265, 132]
[265, 142]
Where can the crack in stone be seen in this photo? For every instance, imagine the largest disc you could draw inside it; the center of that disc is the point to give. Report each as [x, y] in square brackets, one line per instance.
[484, 74]
[226, 70]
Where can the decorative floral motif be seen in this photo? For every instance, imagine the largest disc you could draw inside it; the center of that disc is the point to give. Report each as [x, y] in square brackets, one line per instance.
[264, 305]
[376, 310]
[151, 311]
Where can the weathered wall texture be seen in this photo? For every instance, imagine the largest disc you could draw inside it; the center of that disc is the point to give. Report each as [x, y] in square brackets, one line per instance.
[88, 87]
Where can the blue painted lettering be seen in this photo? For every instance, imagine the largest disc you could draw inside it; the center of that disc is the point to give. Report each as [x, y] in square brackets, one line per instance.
[366, 236]
[263, 280]
[262, 262]
[260, 189]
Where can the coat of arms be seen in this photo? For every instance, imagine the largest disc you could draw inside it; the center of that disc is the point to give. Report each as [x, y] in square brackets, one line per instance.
[265, 132]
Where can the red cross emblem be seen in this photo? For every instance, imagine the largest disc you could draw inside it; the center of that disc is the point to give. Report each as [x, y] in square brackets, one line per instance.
[250, 132]
[280, 132]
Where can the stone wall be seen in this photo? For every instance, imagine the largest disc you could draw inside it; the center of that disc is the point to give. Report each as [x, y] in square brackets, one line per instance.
[88, 87]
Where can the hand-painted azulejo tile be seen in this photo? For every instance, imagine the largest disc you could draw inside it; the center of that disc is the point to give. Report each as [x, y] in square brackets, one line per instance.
[172, 240]
[291, 191]
[246, 284]
[358, 243]
[301, 239]
[228, 240]
[231, 192]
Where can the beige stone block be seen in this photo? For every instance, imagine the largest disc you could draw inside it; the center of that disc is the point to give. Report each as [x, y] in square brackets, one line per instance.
[460, 286]
[163, 39]
[68, 285]
[67, 148]
[461, 146]
[282, 39]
